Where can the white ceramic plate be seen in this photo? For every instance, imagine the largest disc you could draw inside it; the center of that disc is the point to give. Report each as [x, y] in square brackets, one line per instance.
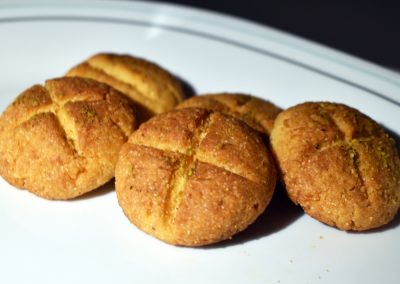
[89, 240]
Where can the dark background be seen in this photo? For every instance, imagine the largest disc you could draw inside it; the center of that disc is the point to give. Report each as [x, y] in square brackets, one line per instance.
[367, 29]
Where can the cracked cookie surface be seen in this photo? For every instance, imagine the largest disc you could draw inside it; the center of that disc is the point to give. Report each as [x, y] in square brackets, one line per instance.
[194, 177]
[62, 139]
[338, 164]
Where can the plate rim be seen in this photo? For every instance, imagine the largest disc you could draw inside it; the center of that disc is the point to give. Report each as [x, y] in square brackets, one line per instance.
[174, 8]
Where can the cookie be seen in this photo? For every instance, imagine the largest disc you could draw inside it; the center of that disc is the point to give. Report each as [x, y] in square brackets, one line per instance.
[193, 177]
[256, 112]
[338, 164]
[153, 89]
[62, 139]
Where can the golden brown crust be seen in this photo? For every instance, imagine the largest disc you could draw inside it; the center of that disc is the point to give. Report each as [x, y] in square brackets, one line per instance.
[153, 89]
[194, 177]
[338, 164]
[257, 113]
[62, 139]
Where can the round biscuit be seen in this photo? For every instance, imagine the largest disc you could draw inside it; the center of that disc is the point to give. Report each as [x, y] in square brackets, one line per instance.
[256, 112]
[338, 164]
[193, 177]
[62, 139]
[151, 88]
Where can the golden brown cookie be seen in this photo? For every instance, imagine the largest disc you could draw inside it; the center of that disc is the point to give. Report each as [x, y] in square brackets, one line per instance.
[256, 112]
[153, 89]
[338, 164]
[62, 139]
[193, 177]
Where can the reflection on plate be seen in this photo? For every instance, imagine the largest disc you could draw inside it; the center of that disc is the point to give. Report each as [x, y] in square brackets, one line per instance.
[89, 239]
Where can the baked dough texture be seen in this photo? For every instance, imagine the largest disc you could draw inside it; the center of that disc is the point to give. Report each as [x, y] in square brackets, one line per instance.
[338, 164]
[153, 89]
[256, 112]
[193, 177]
[62, 139]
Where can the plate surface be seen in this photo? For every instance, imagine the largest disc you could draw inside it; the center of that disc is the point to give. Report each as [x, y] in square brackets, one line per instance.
[89, 240]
